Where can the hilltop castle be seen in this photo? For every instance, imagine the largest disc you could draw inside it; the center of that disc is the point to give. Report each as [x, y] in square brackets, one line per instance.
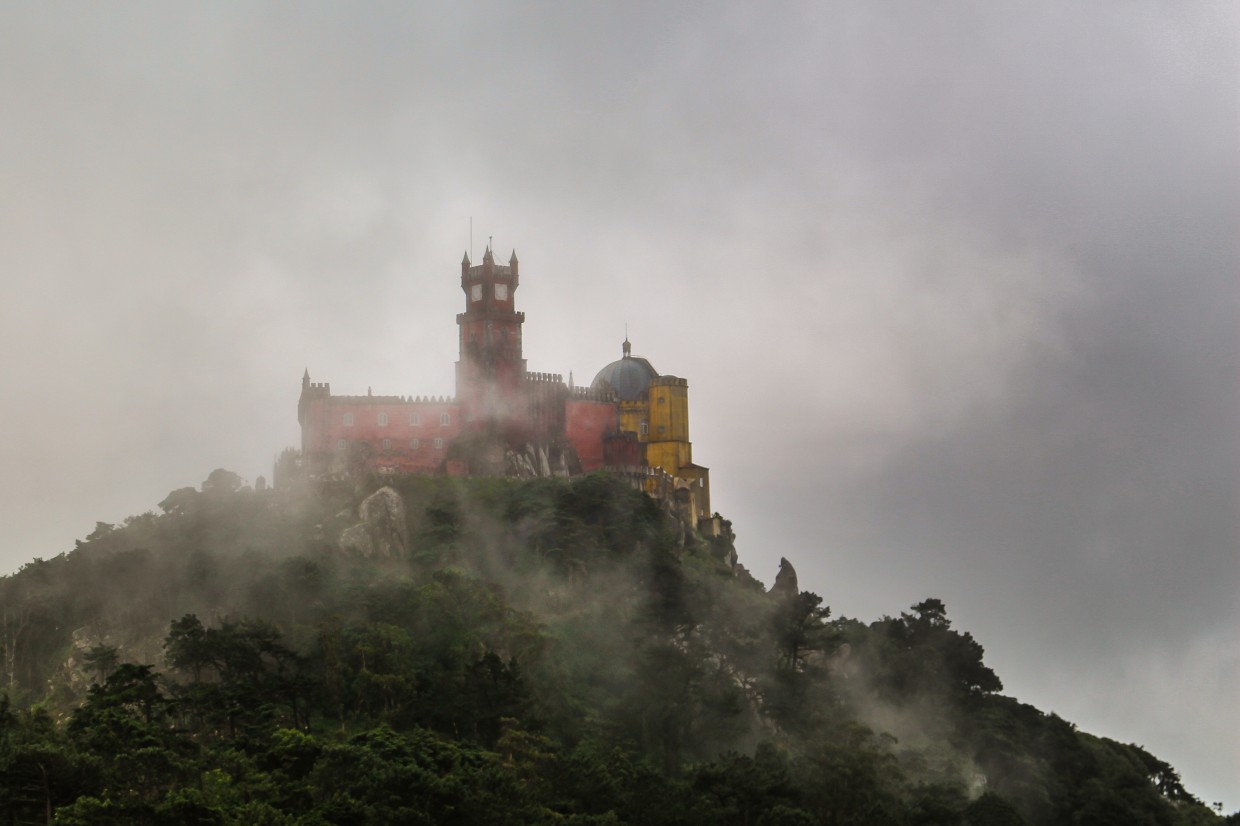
[506, 420]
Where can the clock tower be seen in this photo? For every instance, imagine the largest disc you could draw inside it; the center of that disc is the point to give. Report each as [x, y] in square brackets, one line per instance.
[490, 372]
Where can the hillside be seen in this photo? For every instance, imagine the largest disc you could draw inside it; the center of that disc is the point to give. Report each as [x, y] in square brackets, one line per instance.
[493, 651]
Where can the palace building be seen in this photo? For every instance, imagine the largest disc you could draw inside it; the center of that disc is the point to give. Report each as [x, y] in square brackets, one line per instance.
[507, 420]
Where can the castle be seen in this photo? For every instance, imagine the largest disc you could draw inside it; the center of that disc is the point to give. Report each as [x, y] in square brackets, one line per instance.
[506, 420]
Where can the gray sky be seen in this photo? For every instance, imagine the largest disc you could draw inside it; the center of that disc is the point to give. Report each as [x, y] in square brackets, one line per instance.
[954, 284]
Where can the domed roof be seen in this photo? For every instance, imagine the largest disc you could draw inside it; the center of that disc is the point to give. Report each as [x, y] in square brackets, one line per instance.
[630, 376]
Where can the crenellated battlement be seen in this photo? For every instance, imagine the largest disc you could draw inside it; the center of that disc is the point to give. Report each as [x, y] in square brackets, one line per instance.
[544, 378]
[365, 400]
[499, 271]
[488, 270]
[589, 394]
[669, 381]
[403, 400]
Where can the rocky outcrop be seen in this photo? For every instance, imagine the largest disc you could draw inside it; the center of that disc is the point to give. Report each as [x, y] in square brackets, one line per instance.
[383, 531]
[785, 581]
[537, 461]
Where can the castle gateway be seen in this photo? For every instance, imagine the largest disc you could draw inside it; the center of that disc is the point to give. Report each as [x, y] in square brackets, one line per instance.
[506, 420]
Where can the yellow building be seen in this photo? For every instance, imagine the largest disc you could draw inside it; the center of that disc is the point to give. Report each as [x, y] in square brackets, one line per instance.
[655, 409]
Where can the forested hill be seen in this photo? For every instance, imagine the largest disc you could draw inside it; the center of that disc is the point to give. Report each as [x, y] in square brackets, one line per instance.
[451, 651]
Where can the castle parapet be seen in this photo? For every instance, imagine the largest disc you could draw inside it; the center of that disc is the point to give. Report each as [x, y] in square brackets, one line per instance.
[590, 394]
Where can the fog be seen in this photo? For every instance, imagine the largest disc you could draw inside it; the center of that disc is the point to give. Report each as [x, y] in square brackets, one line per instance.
[953, 285]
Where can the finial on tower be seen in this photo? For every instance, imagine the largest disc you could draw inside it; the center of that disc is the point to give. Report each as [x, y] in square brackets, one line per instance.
[465, 260]
[305, 378]
[628, 348]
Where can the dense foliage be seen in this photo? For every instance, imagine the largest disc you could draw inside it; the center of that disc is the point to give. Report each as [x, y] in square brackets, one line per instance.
[549, 651]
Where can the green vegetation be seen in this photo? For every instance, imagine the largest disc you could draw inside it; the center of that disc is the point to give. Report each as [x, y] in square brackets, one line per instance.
[548, 651]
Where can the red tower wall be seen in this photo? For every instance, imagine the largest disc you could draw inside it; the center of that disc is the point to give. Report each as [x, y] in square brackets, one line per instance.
[491, 372]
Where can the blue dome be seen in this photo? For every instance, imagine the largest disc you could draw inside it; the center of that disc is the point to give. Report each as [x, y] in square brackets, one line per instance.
[630, 376]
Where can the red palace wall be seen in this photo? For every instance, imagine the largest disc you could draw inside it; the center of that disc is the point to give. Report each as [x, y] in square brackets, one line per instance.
[585, 424]
[406, 421]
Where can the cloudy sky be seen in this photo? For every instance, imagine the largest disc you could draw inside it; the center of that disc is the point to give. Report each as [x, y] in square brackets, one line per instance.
[954, 284]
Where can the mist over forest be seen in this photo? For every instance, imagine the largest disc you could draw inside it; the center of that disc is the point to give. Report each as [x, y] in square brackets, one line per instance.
[490, 650]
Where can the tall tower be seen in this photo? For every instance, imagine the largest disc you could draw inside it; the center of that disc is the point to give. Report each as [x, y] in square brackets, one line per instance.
[490, 373]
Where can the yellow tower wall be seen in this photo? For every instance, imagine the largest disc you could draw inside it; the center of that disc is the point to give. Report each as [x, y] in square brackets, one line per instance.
[667, 443]
[669, 409]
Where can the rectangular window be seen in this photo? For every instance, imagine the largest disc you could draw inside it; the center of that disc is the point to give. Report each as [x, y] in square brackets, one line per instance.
[340, 444]
[644, 428]
[348, 419]
[415, 444]
[382, 420]
[387, 444]
[444, 418]
[439, 444]
[415, 419]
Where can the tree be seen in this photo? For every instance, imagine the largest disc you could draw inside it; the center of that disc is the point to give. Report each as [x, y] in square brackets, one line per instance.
[800, 626]
[101, 659]
[180, 501]
[221, 481]
[919, 654]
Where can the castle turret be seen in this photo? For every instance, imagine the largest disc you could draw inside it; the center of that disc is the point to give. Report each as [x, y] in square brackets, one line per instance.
[490, 373]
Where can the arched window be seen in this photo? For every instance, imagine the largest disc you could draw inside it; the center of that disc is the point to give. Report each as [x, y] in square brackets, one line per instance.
[383, 420]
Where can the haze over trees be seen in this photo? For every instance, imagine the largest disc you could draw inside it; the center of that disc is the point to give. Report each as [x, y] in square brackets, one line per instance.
[493, 651]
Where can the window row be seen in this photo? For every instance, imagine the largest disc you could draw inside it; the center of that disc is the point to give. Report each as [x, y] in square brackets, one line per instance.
[501, 292]
[415, 419]
[414, 444]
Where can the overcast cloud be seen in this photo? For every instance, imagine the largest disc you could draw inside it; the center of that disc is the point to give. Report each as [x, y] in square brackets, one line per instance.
[954, 284]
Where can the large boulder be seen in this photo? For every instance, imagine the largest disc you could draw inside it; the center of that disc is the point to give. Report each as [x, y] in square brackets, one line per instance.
[383, 531]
